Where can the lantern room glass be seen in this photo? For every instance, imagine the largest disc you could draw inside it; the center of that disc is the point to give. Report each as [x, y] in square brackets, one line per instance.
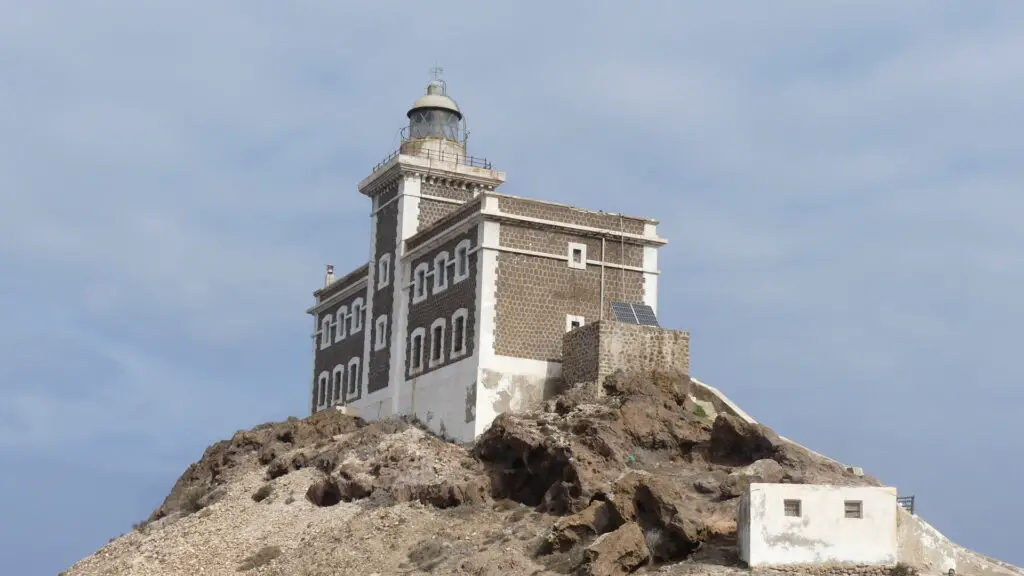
[434, 123]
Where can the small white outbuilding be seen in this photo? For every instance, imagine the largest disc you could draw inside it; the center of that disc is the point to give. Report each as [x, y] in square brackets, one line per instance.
[786, 524]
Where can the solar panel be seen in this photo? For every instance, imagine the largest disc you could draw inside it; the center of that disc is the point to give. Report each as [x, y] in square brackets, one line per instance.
[645, 315]
[637, 313]
[624, 313]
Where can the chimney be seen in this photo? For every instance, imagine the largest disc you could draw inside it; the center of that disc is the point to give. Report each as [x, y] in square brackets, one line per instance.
[329, 277]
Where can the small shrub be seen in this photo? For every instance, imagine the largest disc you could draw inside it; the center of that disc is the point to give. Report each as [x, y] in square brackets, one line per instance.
[263, 493]
[700, 412]
[194, 501]
[902, 569]
[262, 557]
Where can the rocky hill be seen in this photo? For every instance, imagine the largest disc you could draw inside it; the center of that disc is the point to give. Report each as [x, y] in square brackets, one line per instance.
[644, 479]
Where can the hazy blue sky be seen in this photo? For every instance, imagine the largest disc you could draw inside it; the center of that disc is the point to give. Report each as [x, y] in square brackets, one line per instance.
[836, 179]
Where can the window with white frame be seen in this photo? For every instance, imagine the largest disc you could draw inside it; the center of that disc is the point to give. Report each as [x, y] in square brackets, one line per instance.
[339, 324]
[353, 376]
[321, 389]
[573, 322]
[459, 332]
[462, 260]
[577, 255]
[380, 332]
[384, 271]
[339, 382]
[437, 342]
[416, 351]
[419, 283]
[357, 316]
[440, 272]
[325, 331]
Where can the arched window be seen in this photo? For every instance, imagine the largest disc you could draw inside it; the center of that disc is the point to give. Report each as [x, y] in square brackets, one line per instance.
[357, 316]
[419, 283]
[339, 324]
[339, 382]
[459, 319]
[353, 376]
[416, 351]
[462, 260]
[380, 336]
[384, 271]
[440, 272]
[325, 331]
[437, 342]
[320, 392]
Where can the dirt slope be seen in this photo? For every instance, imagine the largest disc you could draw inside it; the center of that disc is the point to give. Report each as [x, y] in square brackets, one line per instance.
[643, 479]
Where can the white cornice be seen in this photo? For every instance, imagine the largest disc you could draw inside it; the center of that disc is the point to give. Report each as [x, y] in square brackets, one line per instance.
[471, 177]
[341, 295]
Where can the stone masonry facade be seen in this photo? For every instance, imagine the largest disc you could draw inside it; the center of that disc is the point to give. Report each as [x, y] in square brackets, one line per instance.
[595, 351]
[338, 340]
[537, 288]
[439, 197]
[385, 268]
[444, 294]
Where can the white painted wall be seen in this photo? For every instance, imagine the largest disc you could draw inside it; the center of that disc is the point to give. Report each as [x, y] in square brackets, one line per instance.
[510, 384]
[822, 534]
[439, 399]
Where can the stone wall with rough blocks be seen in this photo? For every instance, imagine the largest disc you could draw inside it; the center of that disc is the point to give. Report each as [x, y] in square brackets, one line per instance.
[537, 289]
[432, 208]
[580, 354]
[597, 350]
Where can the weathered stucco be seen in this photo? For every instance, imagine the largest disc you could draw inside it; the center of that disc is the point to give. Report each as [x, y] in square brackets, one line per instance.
[821, 534]
[925, 548]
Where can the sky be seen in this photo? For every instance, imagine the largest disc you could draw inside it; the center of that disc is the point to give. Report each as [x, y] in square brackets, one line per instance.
[836, 181]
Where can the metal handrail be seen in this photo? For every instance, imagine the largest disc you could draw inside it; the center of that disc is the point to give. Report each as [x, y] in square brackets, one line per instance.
[441, 157]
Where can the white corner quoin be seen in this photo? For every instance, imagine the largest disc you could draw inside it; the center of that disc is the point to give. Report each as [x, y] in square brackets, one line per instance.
[787, 524]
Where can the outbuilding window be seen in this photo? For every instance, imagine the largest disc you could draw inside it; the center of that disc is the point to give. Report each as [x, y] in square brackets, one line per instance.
[792, 508]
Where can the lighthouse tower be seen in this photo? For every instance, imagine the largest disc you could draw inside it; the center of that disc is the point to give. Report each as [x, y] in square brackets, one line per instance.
[428, 179]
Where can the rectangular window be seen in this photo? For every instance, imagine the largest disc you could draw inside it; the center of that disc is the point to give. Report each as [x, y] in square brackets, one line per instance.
[338, 375]
[416, 359]
[573, 322]
[381, 333]
[853, 509]
[577, 255]
[436, 343]
[792, 508]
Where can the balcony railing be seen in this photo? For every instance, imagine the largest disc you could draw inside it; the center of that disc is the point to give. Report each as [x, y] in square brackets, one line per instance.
[907, 502]
[450, 157]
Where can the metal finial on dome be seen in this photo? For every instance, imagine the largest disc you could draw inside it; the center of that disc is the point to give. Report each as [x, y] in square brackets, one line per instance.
[436, 72]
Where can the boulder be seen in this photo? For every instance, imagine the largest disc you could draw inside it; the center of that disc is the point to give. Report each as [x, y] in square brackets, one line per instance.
[616, 553]
[569, 531]
[737, 442]
[763, 470]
